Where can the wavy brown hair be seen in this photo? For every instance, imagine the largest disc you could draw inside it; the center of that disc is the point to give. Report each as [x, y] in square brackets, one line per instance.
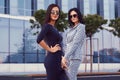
[50, 7]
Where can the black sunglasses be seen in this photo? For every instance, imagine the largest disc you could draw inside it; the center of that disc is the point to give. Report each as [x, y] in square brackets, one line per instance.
[74, 15]
[55, 12]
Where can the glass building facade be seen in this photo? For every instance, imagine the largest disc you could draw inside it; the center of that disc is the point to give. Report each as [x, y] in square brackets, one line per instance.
[68, 4]
[18, 44]
[18, 7]
[117, 8]
[80, 5]
[108, 43]
[90, 7]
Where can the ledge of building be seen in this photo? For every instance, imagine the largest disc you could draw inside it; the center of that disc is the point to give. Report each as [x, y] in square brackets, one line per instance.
[81, 74]
[98, 73]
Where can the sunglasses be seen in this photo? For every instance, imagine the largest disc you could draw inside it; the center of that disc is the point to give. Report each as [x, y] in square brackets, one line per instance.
[74, 15]
[55, 12]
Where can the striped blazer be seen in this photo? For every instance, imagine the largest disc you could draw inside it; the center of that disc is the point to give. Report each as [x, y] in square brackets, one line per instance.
[73, 42]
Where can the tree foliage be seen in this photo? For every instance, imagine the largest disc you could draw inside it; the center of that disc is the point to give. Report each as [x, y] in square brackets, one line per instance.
[62, 23]
[39, 15]
[115, 23]
[93, 24]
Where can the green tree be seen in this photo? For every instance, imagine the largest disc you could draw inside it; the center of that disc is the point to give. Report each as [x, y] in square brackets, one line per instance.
[93, 24]
[62, 23]
[115, 23]
[39, 15]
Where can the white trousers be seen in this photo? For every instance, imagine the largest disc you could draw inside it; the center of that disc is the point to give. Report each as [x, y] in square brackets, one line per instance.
[72, 70]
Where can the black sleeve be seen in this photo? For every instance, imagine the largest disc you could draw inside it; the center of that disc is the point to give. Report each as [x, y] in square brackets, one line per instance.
[43, 33]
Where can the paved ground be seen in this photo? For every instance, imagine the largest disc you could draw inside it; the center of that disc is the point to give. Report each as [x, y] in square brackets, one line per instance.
[100, 77]
[86, 76]
[105, 77]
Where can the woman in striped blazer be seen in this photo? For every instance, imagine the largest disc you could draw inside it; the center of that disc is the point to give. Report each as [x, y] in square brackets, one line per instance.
[74, 39]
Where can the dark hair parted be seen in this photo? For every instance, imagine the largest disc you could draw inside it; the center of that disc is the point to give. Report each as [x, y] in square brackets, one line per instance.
[80, 16]
[48, 13]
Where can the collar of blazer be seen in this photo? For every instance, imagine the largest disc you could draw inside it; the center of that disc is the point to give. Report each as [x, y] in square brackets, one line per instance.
[75, 26]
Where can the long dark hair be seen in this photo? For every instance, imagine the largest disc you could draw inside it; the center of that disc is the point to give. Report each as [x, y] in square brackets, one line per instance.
[80, 16]
[47, 17]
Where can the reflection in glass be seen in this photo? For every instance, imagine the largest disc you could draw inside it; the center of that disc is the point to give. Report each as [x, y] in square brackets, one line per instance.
[28, 4]
[31, 58]
[2, 6]
[4, 57]
[21, 7]
[41, 57]
[31, 47]
[2, 10]
[16, 35]
[16, 58]
[4, 34]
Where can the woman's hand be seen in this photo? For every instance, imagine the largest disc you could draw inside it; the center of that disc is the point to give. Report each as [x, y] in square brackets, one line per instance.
[55, 48]
[64, 63]
[50, 49]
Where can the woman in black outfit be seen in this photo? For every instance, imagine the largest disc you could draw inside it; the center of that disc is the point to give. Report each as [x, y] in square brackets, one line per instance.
[50, 39]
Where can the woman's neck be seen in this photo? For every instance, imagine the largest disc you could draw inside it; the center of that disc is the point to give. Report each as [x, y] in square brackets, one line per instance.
[75, 24]
[52, 23]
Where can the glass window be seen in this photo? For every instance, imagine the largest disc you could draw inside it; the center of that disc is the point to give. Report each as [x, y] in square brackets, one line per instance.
[20, 12]
[16, 58]
[16, 3]
[72, 4]
[2, 10]
[2, 6]
[31, 58]
[17, 8]
[65, 6]
[16, 36]
[21, 7]
[31, 46]
[28, 12]
[28, 4]
[21, 4]
[40, 4]
[2, 3]
[4, 58]
[41, 57]
[4, 34]
[30, 39]
[108, 48]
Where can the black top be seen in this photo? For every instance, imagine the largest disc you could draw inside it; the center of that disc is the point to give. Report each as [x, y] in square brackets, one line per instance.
[50, 34]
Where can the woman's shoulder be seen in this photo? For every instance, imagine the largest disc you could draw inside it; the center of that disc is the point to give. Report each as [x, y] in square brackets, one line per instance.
[82, 24]
[46, 25]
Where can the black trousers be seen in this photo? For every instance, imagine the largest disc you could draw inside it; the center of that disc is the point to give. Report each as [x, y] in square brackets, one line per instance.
[53, 67]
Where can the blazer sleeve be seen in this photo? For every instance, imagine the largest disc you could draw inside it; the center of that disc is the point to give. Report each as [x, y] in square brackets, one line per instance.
[78, 41]
[43, 33]
[64, 41]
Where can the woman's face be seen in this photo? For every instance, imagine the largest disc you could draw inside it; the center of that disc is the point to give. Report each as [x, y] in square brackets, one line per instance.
[74, 17]
[54, 13]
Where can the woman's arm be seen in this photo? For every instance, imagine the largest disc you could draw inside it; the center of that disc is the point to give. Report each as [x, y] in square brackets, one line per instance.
[77, 41]
[50, 49]
[43, 44]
